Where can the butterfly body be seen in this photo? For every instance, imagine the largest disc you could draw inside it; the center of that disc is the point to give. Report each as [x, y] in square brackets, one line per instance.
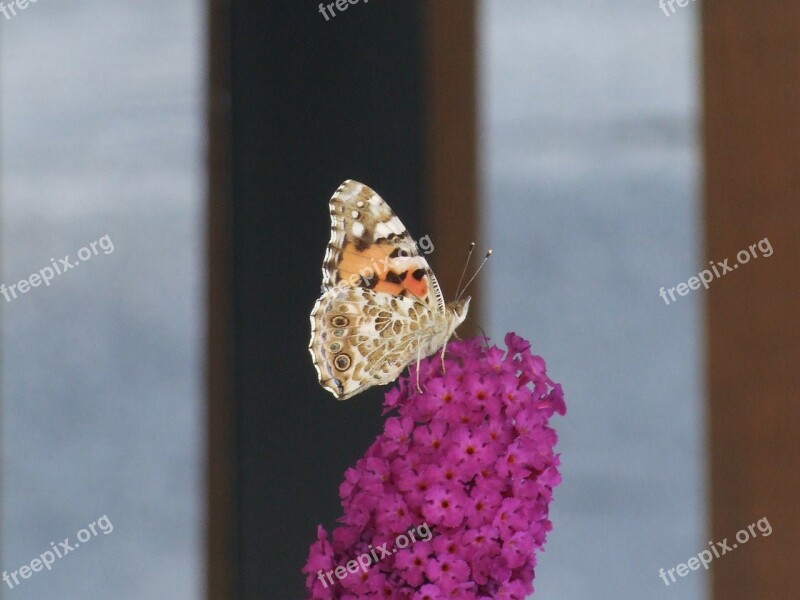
[381, 307]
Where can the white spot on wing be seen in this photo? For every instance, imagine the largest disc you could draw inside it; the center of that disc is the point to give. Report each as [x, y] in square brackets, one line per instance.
[392, 226]
[357, 229]
[395, 225]
[382, 230]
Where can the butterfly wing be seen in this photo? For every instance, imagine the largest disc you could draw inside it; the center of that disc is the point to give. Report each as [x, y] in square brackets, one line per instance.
[361, 338]
[371, 248]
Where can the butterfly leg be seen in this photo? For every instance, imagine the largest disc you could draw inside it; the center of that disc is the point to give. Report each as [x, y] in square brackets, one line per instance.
[419, 389]
[485, 339]
[444, 349]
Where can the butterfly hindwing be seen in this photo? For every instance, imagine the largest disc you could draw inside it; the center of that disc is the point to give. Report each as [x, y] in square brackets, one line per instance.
[361, 338]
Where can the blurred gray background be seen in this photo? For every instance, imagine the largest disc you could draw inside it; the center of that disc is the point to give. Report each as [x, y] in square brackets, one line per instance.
[590, 169]
[590, 162]
[103, 133]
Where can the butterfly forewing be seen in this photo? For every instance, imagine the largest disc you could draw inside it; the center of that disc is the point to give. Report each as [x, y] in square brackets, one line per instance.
[371, 248]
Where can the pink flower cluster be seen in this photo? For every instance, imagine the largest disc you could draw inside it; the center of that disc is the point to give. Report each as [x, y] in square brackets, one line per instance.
[472, 456]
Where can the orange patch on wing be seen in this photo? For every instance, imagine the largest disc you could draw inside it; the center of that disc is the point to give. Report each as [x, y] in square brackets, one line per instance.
[417, 287]
[386, 287]
[369, 263]
[363, 262]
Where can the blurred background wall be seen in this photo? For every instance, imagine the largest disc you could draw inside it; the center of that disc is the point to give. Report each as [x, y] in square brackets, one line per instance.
[102, 120]
[591, 165]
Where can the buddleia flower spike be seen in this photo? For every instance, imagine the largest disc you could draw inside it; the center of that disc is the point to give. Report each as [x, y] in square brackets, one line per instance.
[452, 499]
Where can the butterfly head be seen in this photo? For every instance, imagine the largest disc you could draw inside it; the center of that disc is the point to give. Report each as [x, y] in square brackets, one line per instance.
[457, 312]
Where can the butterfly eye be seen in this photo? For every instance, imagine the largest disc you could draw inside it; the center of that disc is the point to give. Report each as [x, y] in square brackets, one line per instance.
[340, 321]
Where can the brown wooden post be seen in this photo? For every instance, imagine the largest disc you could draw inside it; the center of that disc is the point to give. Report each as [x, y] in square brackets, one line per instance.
[451, 161]
[751, 66]
[221, 469]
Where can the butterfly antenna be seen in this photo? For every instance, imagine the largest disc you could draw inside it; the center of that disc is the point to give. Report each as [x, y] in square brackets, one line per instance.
[485, 258]
[466, 264]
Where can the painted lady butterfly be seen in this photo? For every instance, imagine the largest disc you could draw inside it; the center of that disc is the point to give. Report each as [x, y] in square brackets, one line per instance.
[381, 307]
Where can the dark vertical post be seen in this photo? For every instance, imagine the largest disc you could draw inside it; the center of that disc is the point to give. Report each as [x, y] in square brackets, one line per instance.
[751, 63]
[299, 102]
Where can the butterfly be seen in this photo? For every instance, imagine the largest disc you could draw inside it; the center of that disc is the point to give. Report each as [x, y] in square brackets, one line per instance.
[381, 307]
